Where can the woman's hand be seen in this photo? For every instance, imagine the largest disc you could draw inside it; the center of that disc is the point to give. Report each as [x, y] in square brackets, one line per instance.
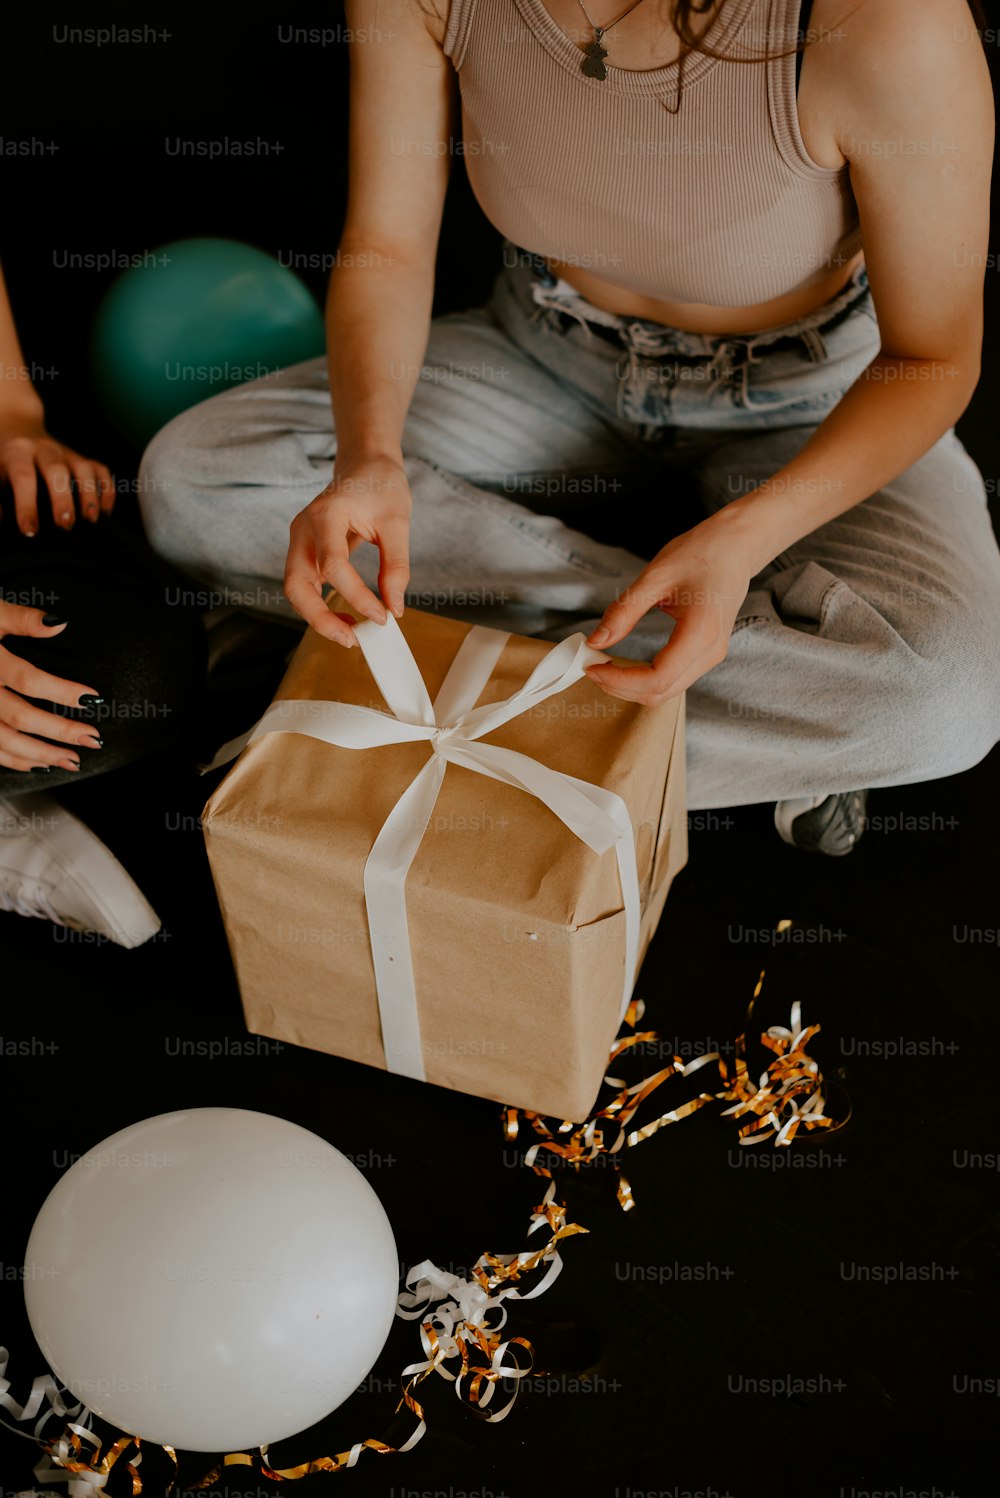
[20, 719]
[365, 501]
[27, 450]
[699, 579]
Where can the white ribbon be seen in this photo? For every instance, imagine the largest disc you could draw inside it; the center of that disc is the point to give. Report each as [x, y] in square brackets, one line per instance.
[45, 1399]
[452, 726]
[454, 1309]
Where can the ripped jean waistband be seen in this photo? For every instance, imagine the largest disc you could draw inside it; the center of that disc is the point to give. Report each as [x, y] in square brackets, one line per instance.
[556, 300]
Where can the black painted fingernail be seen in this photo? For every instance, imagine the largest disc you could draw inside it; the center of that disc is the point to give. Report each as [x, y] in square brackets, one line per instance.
[89, 701]
[97, 743]
[51, 620]
[41, 769]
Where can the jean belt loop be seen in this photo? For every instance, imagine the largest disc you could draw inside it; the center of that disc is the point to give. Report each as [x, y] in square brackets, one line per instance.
[627, 368]
[556, 312]
[722, 363]
[584, 324]
[815, 345]
[643, 339]
[746, 348]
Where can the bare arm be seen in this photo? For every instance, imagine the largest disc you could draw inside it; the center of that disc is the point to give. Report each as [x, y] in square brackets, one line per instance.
[379, 306]
[27, 450]
[913, 110]
[915, 113]
[19, 397]
[24, 448]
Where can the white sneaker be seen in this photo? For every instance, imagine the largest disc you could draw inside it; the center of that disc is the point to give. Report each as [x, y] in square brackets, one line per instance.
[53, 867]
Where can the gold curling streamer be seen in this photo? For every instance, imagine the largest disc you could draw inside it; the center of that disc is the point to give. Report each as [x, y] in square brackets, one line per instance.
[789, 1095]
[67, 1452]
[462, 1319]
[461, 1336]
[460, 1333]
[468, 1316]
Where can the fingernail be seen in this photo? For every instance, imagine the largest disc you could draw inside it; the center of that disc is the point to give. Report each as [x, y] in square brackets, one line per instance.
[41, 769]
[30, 530]
[51, 620]
[87, 700]
[599, 636]
[69, 764]
[97, 743]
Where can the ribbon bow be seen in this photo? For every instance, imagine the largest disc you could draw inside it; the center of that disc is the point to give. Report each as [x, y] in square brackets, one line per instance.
[453, 727]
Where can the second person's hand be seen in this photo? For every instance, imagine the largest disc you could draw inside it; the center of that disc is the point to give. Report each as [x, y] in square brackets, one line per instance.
[28, 452]
[364, 501]
[25, 727]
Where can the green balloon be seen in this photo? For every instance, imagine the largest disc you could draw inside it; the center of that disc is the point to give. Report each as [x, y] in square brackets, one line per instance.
[192, 318]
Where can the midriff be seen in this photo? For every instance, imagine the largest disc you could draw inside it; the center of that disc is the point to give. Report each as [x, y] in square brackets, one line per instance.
[702, 319]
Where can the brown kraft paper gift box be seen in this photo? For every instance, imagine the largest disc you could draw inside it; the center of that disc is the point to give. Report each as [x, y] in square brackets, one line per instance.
[517, 928]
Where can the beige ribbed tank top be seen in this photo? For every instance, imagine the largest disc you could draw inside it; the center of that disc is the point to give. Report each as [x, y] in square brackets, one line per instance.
[717, 203]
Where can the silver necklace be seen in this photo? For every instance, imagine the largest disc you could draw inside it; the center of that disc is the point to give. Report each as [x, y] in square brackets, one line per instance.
[594, 53]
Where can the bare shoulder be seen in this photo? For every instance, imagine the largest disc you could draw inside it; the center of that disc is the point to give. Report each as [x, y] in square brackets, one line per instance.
[885, 63]
[410, 16]
[858, 25]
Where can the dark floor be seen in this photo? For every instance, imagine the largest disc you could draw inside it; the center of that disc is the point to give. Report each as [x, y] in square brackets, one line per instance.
[895, 949]
[896, 943]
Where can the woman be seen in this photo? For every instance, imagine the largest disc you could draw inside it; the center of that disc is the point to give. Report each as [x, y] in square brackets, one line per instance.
[95, 668]
[719, 266]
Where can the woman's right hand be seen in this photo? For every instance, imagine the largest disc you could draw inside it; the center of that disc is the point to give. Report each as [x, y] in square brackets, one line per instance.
[364, 501]
[21, 719]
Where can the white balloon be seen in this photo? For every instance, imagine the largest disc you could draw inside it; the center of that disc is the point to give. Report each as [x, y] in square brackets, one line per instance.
[213, 1279]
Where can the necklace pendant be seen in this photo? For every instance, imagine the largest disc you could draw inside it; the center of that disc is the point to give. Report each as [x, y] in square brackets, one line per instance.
[593, 62]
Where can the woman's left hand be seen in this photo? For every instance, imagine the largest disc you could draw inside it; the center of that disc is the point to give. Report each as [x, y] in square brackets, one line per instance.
[27, 452]
[699, 579]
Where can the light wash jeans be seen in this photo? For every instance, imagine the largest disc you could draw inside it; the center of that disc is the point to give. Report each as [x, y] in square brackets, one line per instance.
[865, 655]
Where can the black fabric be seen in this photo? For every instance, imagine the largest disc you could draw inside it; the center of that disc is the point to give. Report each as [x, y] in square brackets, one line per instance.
[131, 632]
